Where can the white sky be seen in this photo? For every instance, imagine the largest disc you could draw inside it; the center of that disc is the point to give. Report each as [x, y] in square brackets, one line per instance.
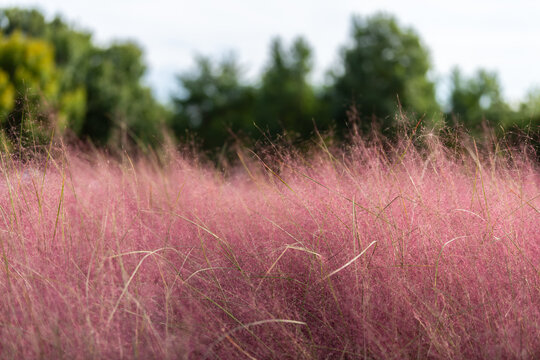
[497, 35]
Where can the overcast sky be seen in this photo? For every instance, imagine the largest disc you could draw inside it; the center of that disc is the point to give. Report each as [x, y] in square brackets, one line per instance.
[497, 35]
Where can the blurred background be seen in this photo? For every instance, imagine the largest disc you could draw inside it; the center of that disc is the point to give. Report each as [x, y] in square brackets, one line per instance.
[131, 74]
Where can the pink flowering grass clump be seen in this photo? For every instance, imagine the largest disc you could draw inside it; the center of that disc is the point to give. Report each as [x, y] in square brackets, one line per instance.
[368, 252]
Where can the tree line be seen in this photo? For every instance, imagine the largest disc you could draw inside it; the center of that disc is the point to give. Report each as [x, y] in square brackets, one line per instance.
[56, 81]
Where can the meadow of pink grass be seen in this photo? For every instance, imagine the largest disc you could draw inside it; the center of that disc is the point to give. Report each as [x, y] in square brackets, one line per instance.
[359, 254]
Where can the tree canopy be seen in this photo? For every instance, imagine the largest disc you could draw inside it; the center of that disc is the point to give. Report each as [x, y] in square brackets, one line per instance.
[477, 98]
[384, 63]
[100, 95]
[28, 87]
[55, 79]
[212, 101]
[286, 101]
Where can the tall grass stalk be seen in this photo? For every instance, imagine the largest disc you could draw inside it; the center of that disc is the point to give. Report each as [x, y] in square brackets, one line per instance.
[370, 251]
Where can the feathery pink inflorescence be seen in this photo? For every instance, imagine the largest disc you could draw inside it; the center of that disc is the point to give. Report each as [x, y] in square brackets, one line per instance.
[358, 253]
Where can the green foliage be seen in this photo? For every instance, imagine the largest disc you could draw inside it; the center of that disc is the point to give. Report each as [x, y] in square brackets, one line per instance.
[383, 63]
[118, 106]
[526, 121]
[286, 101]
[53, 77]
[28, 88]
[477, 99]
[28, 63]
[7, 95]
[100, 95]
[528, 113]
[30, 22]
[213, 100]
[71, 49]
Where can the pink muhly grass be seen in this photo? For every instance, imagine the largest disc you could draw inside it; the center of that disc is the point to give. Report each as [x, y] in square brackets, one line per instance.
[412, 252]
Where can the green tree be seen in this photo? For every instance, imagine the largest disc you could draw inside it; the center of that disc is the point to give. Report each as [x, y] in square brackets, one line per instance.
[212, 101]
[101, 95]
[526, 122]
[286, 101]
[119, 108]
[384, 62]
[71, 49]
[528, 114]
[28, 88]
[29, 21]
[477, 99]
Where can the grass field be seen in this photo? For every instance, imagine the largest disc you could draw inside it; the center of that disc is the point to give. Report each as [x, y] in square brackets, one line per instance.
[417, 251]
